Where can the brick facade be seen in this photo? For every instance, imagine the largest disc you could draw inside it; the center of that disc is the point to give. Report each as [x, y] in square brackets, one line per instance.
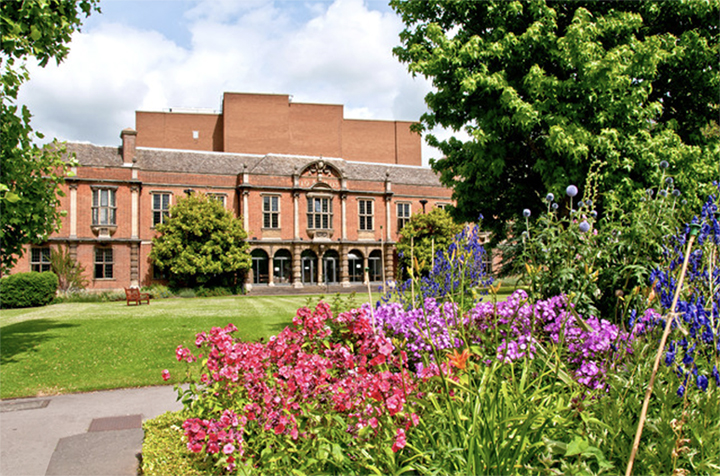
[261, 153]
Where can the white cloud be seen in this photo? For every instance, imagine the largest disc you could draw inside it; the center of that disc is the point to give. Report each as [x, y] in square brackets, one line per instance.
[337, 53]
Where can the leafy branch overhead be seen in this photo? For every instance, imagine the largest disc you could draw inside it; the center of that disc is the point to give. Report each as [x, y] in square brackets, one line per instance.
[30, 176]
[547, 89]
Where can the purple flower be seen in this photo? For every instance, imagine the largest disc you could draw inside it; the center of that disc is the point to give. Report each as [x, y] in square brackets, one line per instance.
[702, 382]
[584, 226]
[526, 213]
[571, 190]
[664, 164]
[550, 197]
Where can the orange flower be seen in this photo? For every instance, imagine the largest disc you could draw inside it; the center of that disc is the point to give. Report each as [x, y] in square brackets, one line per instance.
[459, 360]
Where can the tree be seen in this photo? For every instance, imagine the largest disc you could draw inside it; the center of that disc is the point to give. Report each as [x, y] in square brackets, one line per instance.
[426, 234]
[548, 90]
[30, 176]
[201, 243]
[70, 273]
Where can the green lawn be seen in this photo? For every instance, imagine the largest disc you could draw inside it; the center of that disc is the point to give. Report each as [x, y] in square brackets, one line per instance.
[78, 347]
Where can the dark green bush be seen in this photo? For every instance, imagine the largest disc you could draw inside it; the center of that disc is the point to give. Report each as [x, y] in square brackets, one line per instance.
[28, 289]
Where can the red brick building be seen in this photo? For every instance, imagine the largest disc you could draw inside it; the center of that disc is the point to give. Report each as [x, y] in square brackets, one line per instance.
[321, 197]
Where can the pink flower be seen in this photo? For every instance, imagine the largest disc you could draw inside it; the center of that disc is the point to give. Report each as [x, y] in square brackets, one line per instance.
[166, 375]
[229, 448]
[400, 441]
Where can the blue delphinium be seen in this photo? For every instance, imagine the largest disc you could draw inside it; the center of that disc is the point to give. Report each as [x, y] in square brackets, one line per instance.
[698, 310]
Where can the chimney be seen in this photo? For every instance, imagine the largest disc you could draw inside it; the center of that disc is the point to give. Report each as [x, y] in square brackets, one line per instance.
[129, 137]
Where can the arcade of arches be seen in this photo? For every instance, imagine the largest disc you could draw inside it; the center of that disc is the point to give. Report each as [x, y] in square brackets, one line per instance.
[305, 265]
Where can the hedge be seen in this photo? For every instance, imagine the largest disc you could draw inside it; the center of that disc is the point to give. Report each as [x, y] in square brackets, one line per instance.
[28, 289]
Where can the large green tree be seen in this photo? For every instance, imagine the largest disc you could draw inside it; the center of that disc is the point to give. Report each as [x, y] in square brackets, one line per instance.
[30, 175]
[548, 89]
[201, 243]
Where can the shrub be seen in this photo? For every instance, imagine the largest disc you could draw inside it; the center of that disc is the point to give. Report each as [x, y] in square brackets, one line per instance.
[28, 289]
[158, 291]
[164, 451]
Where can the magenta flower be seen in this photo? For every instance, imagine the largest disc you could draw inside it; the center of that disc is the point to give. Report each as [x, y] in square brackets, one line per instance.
[166, 375]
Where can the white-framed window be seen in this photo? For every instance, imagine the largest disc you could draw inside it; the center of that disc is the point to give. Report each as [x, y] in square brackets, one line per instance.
[103, 206]
[442, 205]
[220, 197]
[160, 207]
[365, 214]
[103, 263]
[319, 213]
[271, 211]
[40, 259]
[403, 214]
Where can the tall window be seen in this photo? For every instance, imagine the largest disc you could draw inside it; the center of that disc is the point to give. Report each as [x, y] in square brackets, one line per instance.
[319, 213]
[271, 211]
[103, 206]
[103, 263]
[366, 214]
[40, 259]
[161, 208]
[403, 214]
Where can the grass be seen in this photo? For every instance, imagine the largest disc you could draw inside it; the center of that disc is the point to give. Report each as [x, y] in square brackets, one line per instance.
[80, 347]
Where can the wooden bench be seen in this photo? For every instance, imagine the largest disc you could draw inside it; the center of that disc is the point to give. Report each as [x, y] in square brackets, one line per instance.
[134, 295]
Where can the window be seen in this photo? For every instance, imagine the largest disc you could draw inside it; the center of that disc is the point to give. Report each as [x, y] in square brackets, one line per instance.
[366, 214]
[220, 197]
[103, 206]
[441, 205]
[103, 263]
[403, 214]
[319, 213]
[40, 259]
[271, 211]
[161, 207]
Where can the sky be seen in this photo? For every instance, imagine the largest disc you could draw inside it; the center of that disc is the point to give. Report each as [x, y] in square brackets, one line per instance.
[152, 55]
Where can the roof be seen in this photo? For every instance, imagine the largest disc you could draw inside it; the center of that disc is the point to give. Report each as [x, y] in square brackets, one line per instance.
[223, 163]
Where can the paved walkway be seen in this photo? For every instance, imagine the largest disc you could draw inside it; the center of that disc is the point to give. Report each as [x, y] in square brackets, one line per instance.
[96, 433]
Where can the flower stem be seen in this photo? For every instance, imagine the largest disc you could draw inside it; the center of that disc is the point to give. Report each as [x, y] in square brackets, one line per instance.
[656, 365]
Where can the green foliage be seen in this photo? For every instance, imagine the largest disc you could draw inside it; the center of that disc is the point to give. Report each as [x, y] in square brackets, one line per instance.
[28, 289]
[201, 244]
[70, 273]
[606, 269]
[85, 296]
[494, 419]
[545, 89]
[158, 291]
[426, 234]
[164, 451]
[30, 176]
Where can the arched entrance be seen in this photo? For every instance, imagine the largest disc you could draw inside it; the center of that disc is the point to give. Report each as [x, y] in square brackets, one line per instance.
[309, 263]
[260, 266]
[331, 267]
[282, 267]
[375, 265]
[355, 266]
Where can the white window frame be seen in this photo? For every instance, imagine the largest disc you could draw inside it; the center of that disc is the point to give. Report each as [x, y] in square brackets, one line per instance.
[106, 266]
[40, 259]
[163, 212]
[319, 212]
[104, 206]
[271, 211]
[404, 217]
[366, 219]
